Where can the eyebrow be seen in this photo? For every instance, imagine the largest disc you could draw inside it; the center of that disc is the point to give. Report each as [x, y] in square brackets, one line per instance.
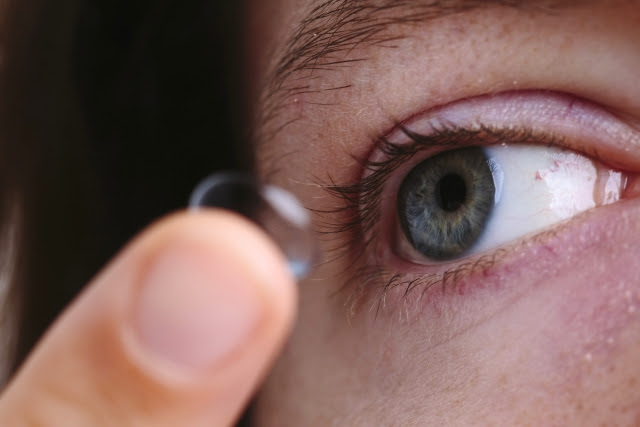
[332, 30]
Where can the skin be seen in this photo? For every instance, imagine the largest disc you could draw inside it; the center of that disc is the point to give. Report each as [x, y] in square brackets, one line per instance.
[182, 326]
[549, 333]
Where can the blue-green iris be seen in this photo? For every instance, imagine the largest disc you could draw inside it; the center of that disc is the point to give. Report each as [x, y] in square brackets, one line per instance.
[445, 202]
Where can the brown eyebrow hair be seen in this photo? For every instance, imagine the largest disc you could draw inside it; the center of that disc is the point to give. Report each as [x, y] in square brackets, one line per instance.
[332, 30]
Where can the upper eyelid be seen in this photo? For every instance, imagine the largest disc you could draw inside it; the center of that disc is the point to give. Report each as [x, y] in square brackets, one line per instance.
[450, 134]
[554, 117]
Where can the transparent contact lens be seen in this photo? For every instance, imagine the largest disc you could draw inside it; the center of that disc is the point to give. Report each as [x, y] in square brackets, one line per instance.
[275, 210]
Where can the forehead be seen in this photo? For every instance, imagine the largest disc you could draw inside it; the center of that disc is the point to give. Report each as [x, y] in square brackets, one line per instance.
[310, 37]
[285, 27]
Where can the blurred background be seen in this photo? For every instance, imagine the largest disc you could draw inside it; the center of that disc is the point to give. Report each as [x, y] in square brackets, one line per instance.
[110, 113]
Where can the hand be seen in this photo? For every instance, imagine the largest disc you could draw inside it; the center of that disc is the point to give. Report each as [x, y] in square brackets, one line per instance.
[177, 331]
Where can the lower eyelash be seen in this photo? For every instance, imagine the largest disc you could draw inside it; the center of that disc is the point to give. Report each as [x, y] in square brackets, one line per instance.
[369, 277]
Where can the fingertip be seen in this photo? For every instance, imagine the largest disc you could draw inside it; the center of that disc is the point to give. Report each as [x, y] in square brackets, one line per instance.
[216, 284]
[182, 325]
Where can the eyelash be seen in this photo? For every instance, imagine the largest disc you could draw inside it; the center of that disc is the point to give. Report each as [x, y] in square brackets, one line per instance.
[360, 210]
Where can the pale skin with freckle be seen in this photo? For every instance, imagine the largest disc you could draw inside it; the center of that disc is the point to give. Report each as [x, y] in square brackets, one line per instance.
[549, 332]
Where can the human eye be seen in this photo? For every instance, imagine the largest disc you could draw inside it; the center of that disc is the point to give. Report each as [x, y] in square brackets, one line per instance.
[467, 201]
[447, 193]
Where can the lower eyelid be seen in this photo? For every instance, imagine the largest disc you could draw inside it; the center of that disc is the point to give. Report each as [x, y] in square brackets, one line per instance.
[400, 286]
[464, 294]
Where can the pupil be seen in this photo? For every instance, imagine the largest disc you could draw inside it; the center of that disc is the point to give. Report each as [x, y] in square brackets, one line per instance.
[451, 192]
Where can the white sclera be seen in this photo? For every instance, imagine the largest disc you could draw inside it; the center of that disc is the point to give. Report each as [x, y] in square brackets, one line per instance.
[543, 186]
[275, 210]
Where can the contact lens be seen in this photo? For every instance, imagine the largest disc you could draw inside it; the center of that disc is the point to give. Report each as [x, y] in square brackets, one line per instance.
[275, 210]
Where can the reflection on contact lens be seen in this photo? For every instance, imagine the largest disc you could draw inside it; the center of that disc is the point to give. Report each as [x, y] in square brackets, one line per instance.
[275, 210]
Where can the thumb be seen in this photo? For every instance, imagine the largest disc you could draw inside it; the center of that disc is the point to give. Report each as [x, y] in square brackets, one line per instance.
[177, 331]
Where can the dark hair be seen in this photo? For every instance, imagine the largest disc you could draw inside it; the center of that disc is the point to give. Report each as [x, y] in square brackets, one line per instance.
[110, 112]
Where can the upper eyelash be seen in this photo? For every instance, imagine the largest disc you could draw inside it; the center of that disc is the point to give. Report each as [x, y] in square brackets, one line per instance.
[361, 199]
[359, 207]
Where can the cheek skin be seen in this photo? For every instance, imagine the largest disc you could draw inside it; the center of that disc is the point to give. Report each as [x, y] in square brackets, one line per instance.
[588, 348]
[565, 353]
[568, 351]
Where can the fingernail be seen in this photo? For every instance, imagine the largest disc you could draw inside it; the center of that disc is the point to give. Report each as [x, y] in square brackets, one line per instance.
[194, 311]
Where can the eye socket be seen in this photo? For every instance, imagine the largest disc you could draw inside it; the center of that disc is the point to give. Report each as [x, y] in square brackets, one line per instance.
[531, 143]
[469, 200]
